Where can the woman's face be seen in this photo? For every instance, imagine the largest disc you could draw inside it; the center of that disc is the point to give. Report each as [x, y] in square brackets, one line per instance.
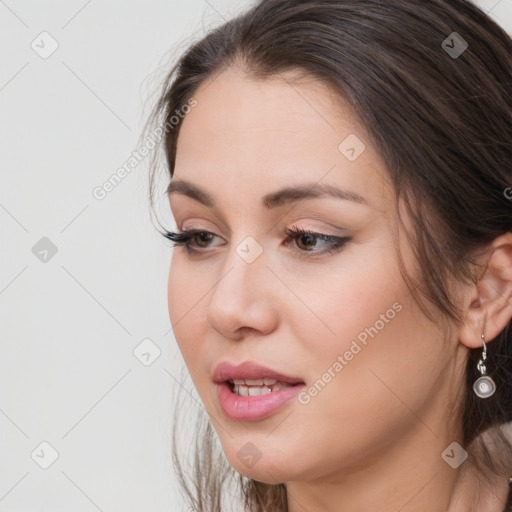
[376, 372]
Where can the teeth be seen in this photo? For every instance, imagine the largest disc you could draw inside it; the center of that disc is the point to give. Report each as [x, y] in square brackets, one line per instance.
[258, 391]
[251, 391]
[243, 390]
[255, 382]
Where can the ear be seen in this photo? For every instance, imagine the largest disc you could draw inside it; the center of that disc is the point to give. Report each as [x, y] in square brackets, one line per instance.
[488, 305]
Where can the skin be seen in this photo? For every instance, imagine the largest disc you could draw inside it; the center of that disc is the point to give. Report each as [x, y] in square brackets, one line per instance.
[372, 438]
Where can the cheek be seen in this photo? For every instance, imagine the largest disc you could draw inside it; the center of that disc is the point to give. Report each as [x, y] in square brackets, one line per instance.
[369, 344]
[184, 292]
[379, 369]
[357, 296]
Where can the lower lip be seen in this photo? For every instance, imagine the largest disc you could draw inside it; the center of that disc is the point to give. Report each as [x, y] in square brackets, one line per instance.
[252, 408]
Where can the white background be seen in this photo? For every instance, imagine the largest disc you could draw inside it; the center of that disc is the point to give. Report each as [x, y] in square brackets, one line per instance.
[69, 326]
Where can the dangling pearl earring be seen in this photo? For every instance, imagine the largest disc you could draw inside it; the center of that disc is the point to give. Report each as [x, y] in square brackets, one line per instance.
[484, 386]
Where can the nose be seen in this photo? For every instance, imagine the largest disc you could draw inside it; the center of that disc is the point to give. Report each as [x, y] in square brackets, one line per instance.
[242, 302]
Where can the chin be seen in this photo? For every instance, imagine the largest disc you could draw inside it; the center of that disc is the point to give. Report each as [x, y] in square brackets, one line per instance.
[263, 474]
[270, 469]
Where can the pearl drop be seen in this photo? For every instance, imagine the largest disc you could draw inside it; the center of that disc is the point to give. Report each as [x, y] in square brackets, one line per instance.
[484, 387]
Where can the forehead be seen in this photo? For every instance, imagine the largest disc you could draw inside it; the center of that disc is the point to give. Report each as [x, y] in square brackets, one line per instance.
[273, 110]
[253, 136]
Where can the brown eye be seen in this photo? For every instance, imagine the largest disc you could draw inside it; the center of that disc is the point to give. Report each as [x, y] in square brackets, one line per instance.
[189, 238]
[308, 240]
[205, 237]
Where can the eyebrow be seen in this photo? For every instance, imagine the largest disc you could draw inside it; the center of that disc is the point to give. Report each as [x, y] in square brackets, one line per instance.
[273, 200]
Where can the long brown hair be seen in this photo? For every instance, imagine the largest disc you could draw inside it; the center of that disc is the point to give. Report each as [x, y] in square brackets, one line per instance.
[441, 122]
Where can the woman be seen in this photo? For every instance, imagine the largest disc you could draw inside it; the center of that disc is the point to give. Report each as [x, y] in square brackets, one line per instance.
[341, 289]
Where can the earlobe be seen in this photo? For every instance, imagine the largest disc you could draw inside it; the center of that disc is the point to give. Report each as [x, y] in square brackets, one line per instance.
[489, 308]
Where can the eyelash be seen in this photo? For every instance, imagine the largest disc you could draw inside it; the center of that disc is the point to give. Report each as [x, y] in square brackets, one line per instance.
[184, 238]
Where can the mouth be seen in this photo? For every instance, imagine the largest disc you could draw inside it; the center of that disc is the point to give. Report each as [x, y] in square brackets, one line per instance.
[251, 392]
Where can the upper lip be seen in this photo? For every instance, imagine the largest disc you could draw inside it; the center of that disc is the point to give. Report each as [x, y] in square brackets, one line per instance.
[249, 370]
